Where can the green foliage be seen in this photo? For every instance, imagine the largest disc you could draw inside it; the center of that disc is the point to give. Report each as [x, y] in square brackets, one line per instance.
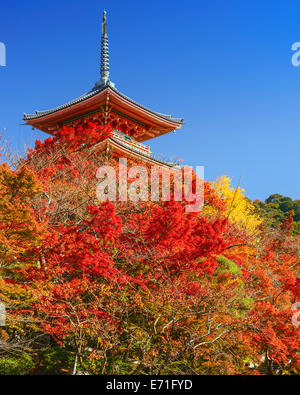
[243, 302]
[112, 364]
[225, 266]
[276, 208]
[55, 361]
[21, 366]
[296, 209]
[247, 302]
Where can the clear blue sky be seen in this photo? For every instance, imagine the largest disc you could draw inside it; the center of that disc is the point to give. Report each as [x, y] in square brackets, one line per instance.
[225, 66]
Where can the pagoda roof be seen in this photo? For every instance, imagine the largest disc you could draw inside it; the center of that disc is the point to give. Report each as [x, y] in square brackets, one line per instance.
[95, 101]
[105, 105]
[92, 93]
[111, 143]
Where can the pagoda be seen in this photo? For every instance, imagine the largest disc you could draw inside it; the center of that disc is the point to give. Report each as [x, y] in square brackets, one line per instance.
[132, 123]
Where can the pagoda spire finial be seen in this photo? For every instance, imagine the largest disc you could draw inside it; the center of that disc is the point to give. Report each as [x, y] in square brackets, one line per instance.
[104, 51]
[104, 64]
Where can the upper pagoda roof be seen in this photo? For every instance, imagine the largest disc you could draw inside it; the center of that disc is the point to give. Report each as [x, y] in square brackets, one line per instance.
[105, 104]
[94, 92]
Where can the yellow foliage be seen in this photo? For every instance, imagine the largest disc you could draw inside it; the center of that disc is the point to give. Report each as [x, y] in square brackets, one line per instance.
[239, 209]
[19, 229]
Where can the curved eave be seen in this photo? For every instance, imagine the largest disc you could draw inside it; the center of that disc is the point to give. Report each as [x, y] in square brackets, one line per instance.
[177, 121]
[94, 100]
[43, 114]
[115, 145]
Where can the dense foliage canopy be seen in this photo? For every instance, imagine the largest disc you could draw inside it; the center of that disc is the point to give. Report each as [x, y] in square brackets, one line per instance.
[276, 208]
[138, 288]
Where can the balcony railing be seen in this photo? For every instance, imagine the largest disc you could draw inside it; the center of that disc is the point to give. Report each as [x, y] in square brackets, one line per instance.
[131, 143]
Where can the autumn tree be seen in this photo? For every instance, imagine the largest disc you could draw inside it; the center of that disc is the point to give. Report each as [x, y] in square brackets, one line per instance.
[146, 287]
[20, 232]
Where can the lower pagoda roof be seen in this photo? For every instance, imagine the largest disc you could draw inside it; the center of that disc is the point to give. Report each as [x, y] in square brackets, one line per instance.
[106, 105]
[113, 145]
